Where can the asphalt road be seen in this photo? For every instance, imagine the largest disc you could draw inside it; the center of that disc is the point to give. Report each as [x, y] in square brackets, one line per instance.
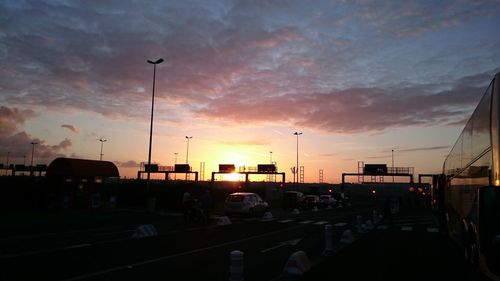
[194, 251]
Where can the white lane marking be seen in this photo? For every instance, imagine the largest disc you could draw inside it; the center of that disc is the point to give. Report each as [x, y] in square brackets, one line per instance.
[382, 227]
[16, 255]
[77, 246]
[406, 228]
[320, 222]
[305, 222]
[340, 224]
[283, 221]
[128, 266]
[264, 220]
[432, 230]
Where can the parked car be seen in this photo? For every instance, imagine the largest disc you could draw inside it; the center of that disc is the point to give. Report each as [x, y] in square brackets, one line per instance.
[245, 203]
[341, 198]
[327, 200]
[312, 201]
[293, 200]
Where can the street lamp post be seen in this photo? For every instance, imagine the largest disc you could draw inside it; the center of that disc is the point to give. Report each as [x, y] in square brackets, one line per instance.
[154, 63]
[102, 142]
[187, 153]
[187, 150]
[33, 143]
[271, 157]
[297, 166]
[175, 163]
[392, 152]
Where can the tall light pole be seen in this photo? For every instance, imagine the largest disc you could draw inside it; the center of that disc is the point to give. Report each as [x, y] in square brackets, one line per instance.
[187, 153]
[271, 157]
[297, 167]
[187, 150]
[33, 143]
[8, 155]
[154, 63]
[102, 142]
[392, 152]
[175, 163]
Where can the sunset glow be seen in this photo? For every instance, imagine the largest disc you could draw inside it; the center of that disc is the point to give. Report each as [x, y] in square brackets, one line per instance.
[360, 79]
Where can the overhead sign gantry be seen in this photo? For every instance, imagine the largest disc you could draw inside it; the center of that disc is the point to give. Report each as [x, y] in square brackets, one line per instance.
[262, 169]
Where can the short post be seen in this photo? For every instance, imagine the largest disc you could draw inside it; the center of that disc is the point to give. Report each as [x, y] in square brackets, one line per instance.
[358, 224]
[375, 216]
[328, 240]
[236, 266]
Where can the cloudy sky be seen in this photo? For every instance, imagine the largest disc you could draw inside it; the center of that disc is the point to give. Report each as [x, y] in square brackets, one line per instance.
[358, 79]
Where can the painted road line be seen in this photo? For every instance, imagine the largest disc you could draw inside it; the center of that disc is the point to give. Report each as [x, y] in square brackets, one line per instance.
[305, 222]
[340, 224]
[77, 246]
[129, 266]
[432, 230]
[320, 222]
[406, 228]
[284, 221]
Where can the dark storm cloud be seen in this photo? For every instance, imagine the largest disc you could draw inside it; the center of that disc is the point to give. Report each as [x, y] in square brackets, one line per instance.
[353, 110]
[10, 118]
[18, 144]
[241, 61]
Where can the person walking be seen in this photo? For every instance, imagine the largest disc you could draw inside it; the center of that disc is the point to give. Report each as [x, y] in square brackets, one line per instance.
[206, 204]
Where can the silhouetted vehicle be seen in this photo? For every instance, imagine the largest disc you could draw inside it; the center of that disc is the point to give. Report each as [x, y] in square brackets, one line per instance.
[195, 213]
[341, 198]
[245, 203]
[327, 200]
[471, 186]
[312, 201]
[293, 200]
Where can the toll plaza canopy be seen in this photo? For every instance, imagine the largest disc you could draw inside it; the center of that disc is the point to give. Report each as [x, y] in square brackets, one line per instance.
[81, 168]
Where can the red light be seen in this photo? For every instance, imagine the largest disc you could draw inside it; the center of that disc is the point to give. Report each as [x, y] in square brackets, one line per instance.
[420, 189]
[411, 189]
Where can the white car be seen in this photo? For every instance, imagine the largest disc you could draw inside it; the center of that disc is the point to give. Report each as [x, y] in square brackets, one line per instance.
[327, 200]
[245, 203]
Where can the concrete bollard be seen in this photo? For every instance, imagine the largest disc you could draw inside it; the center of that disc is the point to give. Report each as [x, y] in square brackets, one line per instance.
[347, 237]
[145, 230]
[236, 266]
[328, 240]
[298, 263]
[223, 220]
[267, 216]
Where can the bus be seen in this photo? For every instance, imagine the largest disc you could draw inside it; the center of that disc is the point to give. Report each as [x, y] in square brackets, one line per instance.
[471, 186]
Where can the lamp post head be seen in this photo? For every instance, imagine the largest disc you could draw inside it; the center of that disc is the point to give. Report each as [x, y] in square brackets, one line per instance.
[297, 134]
[188, 137]
[103, 140]
[155, 62]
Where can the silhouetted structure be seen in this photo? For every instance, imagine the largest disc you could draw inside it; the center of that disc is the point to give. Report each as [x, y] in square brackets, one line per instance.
[77, 182]
[71, 169]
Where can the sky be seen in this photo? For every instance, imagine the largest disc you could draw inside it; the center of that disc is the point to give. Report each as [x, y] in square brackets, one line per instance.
[362, 80]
